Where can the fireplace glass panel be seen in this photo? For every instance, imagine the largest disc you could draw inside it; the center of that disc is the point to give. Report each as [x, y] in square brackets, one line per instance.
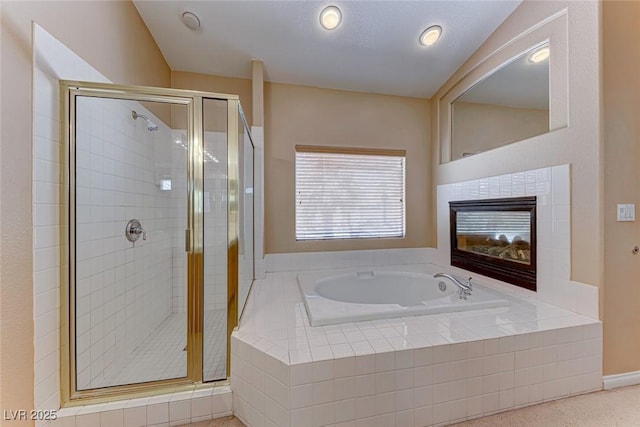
[498, 234]
[496, 238]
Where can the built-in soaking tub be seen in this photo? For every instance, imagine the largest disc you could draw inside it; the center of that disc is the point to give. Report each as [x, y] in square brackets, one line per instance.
[368, 295]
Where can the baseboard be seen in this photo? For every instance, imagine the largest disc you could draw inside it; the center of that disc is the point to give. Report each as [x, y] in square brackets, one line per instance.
[621, 380]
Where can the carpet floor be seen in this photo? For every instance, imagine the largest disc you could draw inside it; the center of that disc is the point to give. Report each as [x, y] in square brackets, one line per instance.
[619, 407]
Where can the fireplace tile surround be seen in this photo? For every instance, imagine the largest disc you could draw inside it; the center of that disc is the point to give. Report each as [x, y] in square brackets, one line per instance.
[552, 188]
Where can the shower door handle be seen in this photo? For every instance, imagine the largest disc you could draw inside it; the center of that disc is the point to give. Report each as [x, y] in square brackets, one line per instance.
[187, 240]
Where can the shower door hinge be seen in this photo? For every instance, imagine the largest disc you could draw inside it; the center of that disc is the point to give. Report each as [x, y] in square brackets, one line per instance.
[187, 240]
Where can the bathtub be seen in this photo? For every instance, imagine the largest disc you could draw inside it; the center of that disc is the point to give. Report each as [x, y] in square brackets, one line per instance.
[368, 295]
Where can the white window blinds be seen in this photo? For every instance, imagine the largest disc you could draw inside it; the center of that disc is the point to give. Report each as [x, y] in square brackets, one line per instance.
[495, 223]
[349, 193]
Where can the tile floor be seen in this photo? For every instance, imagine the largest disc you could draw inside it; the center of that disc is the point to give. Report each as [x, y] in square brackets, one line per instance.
[161, 355]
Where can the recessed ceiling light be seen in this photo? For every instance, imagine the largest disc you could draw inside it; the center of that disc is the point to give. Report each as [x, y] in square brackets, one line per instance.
[330, 17]
[540, 55]
[191, 21]
[431, 35]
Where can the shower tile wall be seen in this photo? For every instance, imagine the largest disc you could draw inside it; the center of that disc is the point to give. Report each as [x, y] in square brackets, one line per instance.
[123, 291]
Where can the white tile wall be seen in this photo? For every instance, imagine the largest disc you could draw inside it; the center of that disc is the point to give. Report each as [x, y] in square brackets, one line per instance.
[552, 186]
[415, 371]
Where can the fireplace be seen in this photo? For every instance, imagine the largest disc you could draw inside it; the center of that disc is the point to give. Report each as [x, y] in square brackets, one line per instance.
[496, 238]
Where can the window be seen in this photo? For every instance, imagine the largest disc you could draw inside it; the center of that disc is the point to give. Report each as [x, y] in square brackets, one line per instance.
[346, 193]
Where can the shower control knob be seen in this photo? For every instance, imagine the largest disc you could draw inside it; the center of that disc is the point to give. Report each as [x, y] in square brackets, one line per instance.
[139, 230]
[133, 230]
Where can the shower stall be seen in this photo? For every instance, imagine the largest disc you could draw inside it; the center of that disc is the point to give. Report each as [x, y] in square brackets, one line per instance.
[158, 199]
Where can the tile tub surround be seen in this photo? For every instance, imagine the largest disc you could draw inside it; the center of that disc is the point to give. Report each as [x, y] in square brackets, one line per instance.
[415, 371]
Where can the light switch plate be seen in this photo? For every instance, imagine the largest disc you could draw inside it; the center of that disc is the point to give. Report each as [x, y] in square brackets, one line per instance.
[627, 212]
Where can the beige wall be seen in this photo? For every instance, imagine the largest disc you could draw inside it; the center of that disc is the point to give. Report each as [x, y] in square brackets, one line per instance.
[481, 127]
[312, 116]
[621, 66]
[574, 35]
[110, 36]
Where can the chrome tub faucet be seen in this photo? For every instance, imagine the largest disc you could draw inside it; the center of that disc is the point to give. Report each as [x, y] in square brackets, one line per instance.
[464, 288]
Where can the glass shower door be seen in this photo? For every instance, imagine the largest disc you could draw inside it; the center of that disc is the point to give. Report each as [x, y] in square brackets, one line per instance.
[157, 195]
[216, 232]
[130, 182]
[246, 266]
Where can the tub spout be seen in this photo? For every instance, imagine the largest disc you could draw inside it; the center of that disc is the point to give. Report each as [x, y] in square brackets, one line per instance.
[464, 288]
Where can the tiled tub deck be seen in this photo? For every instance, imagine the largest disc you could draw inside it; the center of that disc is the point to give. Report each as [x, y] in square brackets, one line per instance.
[405, 372]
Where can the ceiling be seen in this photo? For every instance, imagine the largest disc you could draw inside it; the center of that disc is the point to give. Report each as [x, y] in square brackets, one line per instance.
[375, 49]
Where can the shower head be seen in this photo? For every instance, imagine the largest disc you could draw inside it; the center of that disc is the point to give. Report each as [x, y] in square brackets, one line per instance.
[151, 126]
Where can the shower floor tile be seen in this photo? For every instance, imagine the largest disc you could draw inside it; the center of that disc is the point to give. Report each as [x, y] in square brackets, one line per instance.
[162, 354]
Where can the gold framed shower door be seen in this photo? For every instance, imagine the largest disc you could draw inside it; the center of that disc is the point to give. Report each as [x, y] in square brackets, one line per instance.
[194, 240]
